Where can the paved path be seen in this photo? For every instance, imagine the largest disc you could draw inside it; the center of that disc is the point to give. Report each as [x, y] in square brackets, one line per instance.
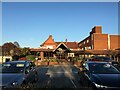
[58, 76]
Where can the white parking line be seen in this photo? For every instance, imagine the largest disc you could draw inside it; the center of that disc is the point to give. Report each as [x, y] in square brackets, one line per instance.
[73, 83]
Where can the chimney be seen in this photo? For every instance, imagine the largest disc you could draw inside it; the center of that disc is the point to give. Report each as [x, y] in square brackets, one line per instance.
[66, 40]
[97, 29]
[50, 36]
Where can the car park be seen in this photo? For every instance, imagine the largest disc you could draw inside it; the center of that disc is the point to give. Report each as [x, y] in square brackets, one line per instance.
[18, 73]
[103, 59]
[100, 75]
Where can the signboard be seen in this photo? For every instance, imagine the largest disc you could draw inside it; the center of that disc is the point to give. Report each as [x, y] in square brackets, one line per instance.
[70, 54]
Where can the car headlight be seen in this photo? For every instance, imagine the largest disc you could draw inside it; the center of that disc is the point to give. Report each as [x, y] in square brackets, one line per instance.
[100, 86]
[14, 83]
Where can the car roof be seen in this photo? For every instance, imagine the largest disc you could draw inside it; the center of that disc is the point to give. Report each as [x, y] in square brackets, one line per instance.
[101, 56]
[19, 61]
[94, 62]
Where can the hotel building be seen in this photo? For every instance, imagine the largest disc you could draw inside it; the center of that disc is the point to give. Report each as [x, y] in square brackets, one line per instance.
[97, 43]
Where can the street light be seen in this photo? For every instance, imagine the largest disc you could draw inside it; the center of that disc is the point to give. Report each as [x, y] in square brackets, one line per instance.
[84, 52]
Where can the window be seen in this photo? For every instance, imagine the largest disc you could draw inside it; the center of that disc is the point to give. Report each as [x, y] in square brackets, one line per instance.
[92, 37]
[86, 66]
[92, 46]
[84, 42]
[89, 47]
[87, 41]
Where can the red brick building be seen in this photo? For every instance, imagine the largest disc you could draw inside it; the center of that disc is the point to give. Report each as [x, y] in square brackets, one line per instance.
[96, 43]
[53, 49]
[99, 41]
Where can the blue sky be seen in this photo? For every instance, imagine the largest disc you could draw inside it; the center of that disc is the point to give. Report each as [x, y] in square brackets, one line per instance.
[30, 24]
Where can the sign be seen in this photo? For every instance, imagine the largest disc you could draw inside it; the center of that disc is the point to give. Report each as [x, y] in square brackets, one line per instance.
[70, 54]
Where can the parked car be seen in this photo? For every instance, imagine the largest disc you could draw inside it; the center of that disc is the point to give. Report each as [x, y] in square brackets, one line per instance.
[18, 73]
[103, 59]
[100, 75]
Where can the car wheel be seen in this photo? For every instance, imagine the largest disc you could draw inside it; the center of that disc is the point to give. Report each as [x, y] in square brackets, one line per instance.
[24, 85]
[92, 86]
[35, 78]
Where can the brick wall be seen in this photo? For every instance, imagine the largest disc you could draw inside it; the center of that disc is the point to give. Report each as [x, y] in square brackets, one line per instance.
[100, 41]
[85, 43]
[114, 41]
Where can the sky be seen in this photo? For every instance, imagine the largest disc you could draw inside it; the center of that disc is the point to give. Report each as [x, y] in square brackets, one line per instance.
[31, 23]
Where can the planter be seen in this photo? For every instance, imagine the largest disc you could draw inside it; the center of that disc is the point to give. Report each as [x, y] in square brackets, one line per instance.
[41, 63]
[46, 63]
[53, 63]
[36, 62]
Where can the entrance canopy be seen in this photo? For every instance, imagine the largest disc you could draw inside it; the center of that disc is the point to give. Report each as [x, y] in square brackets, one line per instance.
[61, 48]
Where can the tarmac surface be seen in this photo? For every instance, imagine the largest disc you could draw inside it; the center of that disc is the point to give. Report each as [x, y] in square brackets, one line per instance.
[63, 75]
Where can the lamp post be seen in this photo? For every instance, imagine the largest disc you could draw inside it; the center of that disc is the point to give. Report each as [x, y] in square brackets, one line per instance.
[84, 52]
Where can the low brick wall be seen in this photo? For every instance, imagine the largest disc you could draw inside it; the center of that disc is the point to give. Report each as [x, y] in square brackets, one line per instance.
[39, 62]
[45, 63]
[53, 63]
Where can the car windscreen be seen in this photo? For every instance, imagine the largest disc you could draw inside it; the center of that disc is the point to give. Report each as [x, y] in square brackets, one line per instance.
[103, 58]
[13, 68]
[102, 68]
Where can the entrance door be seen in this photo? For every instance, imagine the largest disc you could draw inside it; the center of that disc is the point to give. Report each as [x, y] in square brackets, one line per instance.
[7, 59]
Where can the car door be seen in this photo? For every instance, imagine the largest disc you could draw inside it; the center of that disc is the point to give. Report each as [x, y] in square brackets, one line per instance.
[33, 71]
[87, 75]
[29, 73]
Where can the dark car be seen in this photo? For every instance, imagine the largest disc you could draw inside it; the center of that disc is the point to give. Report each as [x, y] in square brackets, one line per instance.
[103, 59]
[100, 75]
[17, 73]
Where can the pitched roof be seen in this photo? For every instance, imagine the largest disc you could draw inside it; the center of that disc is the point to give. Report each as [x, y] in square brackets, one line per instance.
[72, 45]
[49, 41]
[60, 45]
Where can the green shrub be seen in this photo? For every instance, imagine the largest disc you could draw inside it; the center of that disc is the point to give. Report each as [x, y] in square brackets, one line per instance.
[54, 60]
[15, 57]
[31, 57]
[74, 59]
